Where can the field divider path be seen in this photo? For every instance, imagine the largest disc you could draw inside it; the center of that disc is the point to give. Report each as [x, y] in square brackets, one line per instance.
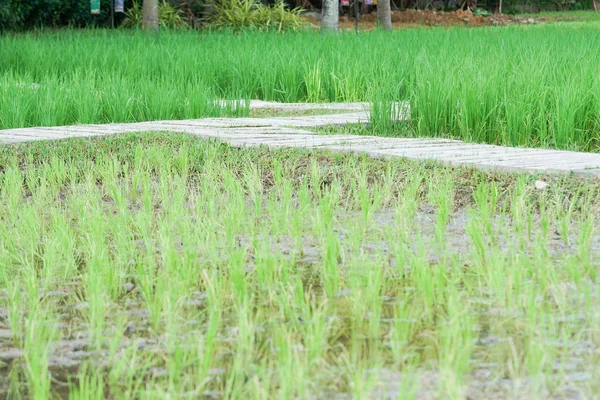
[292, 131]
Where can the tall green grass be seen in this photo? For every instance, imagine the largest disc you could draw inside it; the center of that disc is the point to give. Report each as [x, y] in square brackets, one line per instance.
[534, 86]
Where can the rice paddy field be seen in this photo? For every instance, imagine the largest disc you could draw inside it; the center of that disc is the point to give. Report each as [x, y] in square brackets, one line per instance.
[163, 266]
[516, 85]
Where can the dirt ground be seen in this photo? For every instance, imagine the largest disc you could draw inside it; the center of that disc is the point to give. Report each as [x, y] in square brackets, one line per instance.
[433, 18]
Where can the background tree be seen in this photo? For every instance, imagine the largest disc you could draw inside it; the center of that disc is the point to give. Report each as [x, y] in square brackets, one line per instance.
[150, 12]
[384, 14]
[330, 15]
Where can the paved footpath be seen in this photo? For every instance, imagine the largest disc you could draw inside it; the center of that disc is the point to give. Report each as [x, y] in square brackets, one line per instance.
[293, 132]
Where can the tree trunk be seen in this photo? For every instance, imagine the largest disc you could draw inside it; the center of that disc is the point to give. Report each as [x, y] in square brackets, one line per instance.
[500, 7]
[384, 14]
[150, 12]
[330, 15]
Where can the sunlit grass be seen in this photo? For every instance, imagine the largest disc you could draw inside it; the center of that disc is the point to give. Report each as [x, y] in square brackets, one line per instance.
[161, 266]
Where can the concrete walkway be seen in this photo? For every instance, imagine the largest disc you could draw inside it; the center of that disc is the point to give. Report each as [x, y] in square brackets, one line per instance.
[292, 132]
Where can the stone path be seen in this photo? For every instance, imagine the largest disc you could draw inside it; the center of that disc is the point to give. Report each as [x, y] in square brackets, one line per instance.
[293, 132]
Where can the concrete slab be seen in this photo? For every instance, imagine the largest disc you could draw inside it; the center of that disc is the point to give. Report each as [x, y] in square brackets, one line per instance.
[290, 132]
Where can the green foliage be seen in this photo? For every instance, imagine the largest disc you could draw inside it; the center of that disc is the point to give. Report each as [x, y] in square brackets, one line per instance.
[133, 16]
[169, 16]
[240, 14]
[8, 18]
[27, 14]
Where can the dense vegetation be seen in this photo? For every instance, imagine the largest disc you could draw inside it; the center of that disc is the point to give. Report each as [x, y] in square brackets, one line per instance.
[535, 86]
[27, 14]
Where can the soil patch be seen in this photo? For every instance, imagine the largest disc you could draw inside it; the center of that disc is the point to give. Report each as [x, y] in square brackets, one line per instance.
[433, 18]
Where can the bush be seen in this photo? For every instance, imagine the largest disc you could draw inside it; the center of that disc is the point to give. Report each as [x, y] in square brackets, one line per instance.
[8, 19]
[28, 14]
[241, 14]
[169, 16]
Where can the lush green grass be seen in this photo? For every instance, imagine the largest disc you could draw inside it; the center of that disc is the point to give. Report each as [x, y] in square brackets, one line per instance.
[518, 85]
[153, 266]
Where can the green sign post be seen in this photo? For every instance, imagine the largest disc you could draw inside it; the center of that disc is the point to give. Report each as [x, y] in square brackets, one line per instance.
[95, 6]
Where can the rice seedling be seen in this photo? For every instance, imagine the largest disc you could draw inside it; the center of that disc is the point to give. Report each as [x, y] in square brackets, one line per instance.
[153, 266]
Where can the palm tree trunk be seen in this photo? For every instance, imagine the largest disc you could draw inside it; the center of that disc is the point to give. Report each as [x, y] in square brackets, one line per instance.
[330, 15]
[150, 12]
[384, 14]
